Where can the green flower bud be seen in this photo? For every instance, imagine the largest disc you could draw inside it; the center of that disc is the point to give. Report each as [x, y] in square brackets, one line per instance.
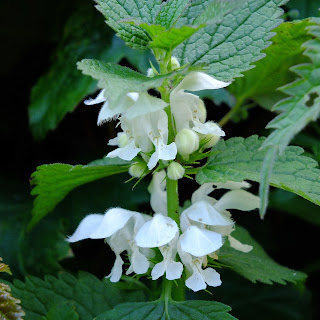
[187, 141]
[175, 171]
[138, 169]
[174, 63]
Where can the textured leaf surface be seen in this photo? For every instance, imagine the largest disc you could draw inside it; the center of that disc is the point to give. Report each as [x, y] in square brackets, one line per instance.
[240, 159]
[187, 310]
[88, 295]
[115, 11]
[63, 87]
[256, 265]
[229, 48]
[9, 306]
[54, 181]
[260, 83]
[62, 311]
[301, 107]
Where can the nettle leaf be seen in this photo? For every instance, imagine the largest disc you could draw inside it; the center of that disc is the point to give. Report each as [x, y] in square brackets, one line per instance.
[239, 159]
[9, 306]
[63, 87]
[158, 310]
[260, 83]
[54, 181]
[117, 11]
[118, 80]
[170, 12]
[228, 49]
[256, 265]
[301, 107]
[62, 311]
[87, 295]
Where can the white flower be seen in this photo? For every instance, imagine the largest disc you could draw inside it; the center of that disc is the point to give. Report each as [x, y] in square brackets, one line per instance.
[199, 278]
[119, 227]
[188, 109]
[157, 189]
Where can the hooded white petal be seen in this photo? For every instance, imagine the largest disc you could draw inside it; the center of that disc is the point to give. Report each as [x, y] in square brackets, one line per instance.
[238, 199]
[99, 98]
[197, 81]
[200, 242]
[157, 232]
[126, 153]
[204, 212]
[86, 227]
[208, 128]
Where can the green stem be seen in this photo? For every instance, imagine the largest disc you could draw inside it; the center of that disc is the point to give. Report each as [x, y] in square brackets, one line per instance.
[166, 295]
[233, 111]
[173, 200]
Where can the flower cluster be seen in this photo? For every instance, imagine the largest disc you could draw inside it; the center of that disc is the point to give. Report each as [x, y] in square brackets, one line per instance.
[203, 227]
[144, 122]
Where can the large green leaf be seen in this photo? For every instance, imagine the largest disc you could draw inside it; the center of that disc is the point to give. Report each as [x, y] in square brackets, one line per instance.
[54, 181]
[62, 311]
[229, 48]
[63, 87]
[159, 310]
[260, 83]
[116, 11]
[238, 159]
[301, 107]
[256, 265]
[87, 295]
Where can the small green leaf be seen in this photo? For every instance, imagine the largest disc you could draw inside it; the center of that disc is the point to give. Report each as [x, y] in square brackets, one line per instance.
[9, 306]
[229, 48]
[239, 159]
[286, 50]
[117, 11]
[170, 12]
[158, 310]
[54, 181]
[4, 267]
[256, 265]
[87, 295]
[168, 39]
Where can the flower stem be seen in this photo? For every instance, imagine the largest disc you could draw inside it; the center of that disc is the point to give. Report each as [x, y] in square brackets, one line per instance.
[233, 111]
[173, 200]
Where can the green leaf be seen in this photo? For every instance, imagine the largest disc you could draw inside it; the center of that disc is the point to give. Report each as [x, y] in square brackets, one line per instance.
[117, 11]
[170, 12]
[88, 295]
[118, 80]
[158, 310]
[260, 84]
[168, 39]
[301, 107]
[63, 87]
[62, 311]
[229, 48]
[54, 181]
[239, 159]
[9, 306]
[256, 265]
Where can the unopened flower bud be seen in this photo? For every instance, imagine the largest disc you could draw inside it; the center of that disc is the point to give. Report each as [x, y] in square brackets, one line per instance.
[138, 169]
[202, 112]
[175, 171]
[212, 140]
[187, 141]
[122, 141]
[174, 63]
[150, 73]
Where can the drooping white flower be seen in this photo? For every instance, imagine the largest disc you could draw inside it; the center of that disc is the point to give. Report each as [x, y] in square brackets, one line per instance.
[188, 109]
[199, 278]
[118, 227]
